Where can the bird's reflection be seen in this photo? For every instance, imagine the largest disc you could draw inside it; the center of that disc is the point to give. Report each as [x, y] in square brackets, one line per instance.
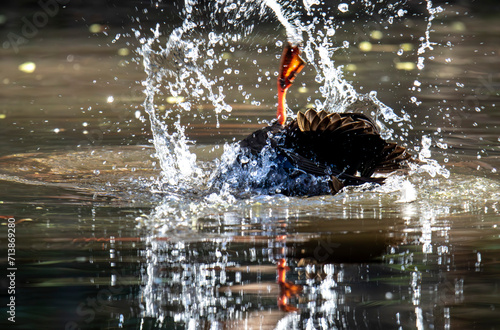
[258, 265]
[288, 289]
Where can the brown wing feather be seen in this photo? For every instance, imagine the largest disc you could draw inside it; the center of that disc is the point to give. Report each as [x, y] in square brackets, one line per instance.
[322, 114]
[314, 123]
[348, 142]
[323, 124]
[300, 121]
[310, 114]
[335, 122]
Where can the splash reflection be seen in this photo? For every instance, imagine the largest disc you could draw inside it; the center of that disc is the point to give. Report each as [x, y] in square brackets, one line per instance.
[327, 262]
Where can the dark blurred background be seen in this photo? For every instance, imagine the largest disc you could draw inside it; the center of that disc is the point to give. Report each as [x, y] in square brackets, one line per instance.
[69, 13]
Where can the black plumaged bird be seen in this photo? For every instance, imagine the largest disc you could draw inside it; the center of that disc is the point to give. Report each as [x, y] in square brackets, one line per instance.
[347, 147]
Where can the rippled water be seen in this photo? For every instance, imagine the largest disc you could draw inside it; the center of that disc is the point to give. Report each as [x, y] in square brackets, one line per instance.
[98, 247]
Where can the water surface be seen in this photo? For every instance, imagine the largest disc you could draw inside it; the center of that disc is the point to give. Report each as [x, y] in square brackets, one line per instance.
[97, 247]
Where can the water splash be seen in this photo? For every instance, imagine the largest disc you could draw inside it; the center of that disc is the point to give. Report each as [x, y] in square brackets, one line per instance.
[426, 40]
[190, 71]
[171, 147]
[186, 68]
[426, 43]
[292, 31]
[429, 165]
[244, 174]
[309, 3]
[343, 7]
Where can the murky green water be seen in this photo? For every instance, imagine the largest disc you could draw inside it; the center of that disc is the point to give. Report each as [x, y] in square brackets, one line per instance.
[95, 248]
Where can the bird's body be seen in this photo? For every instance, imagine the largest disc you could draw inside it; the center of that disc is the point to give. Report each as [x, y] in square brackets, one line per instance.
[345, 147]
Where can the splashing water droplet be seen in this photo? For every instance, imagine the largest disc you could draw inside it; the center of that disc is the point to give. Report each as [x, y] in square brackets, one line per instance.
[426, 42]
[343, 7]
[429, 165]
[414, 99]
[292, 31]
[420, 62]
[309, 3]
[442, 145]
[408, 193]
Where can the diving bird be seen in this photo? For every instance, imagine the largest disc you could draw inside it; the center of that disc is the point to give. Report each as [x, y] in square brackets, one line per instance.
[345, 147]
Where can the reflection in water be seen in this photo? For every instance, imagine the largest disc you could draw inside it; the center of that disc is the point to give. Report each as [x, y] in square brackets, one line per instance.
[333, 262]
